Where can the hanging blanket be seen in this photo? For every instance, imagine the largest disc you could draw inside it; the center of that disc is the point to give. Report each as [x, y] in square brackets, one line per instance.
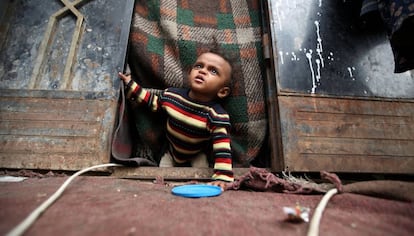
[165, 39]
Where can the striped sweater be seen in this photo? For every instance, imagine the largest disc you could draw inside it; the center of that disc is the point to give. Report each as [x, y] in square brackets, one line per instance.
[191, 126]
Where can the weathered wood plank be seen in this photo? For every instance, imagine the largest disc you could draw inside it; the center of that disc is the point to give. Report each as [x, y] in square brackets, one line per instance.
[46, 144]
[34, 132]
[352, 146]
[357, 130]
[169, 172]
[347, 135]
[49, 128]
[51, 160]
[352, 164]
[47, 109]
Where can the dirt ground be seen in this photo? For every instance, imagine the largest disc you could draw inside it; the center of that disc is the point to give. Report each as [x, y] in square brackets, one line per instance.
[102, 205]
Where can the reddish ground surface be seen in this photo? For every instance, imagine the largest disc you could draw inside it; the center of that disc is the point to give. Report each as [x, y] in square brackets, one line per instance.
[102, 205]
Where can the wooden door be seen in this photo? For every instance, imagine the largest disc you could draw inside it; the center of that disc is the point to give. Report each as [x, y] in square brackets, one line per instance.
[58, 81]
[339, 103]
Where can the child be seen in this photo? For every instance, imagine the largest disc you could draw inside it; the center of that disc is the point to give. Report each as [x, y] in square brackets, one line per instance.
[195, 118]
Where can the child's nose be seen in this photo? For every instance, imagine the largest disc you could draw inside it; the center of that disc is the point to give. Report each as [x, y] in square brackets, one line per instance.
[202, 71]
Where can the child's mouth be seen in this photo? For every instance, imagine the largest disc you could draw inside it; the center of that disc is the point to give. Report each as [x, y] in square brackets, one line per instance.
[199, 79]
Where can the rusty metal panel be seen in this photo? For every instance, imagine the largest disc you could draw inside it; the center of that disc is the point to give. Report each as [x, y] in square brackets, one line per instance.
[60, 45]
[326, 48]
[341, 107]
[58, 80]
[347, 135]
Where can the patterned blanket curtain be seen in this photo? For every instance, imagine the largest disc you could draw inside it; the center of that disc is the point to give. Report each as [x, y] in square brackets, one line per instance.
[167, 36]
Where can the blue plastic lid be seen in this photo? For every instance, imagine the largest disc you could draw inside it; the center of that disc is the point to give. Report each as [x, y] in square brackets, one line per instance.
[196, 190]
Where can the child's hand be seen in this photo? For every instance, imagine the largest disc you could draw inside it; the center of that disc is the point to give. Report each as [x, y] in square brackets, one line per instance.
[219, 183]
[124, 77]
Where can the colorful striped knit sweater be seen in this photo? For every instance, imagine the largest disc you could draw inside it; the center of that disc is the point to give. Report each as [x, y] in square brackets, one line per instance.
[191, 126]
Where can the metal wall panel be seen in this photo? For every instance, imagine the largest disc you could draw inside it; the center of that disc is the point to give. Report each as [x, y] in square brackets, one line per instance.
[324, 48]
[58, 81]
[340, 105]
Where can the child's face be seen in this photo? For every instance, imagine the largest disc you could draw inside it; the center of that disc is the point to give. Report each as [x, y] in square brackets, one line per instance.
[209, 77]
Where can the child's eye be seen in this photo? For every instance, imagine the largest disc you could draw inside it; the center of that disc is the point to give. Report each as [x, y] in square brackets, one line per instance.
[214, 71]
[197, 66]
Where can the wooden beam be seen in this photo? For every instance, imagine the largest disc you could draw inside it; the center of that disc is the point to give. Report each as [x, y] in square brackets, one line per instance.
[169, 173]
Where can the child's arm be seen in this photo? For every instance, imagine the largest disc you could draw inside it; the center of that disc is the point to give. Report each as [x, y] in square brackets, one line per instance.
[136, 93]
[125, 78]
[222, 154]
[222, 184]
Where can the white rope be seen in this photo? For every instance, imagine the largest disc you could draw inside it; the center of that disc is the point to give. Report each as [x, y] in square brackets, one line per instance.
[30, 219]
[316, 218]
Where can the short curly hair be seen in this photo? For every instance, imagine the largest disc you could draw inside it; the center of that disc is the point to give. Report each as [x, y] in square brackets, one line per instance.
[227, 56]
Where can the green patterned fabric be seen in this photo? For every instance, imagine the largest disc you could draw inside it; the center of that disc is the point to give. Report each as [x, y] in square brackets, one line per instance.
[166, 38]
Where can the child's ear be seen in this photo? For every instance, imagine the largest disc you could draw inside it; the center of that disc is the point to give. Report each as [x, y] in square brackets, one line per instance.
[223, 92]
